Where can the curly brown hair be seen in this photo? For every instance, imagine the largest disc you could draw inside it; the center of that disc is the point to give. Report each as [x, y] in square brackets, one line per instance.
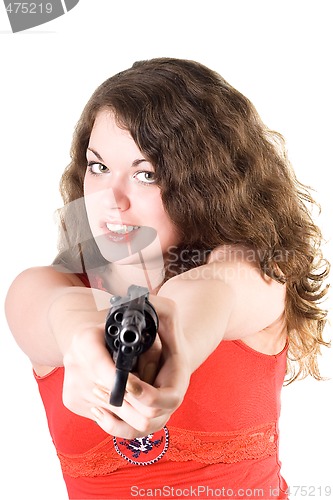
[225, 179]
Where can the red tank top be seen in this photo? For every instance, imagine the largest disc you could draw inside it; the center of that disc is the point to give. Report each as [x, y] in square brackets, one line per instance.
[222, 442]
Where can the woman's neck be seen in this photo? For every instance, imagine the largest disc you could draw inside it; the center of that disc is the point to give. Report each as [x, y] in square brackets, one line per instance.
[136, 270]
[121, 276]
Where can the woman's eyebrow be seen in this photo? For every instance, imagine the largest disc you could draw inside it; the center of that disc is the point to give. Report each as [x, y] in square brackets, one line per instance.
[96, 154]
[138, 161]
[134, 164]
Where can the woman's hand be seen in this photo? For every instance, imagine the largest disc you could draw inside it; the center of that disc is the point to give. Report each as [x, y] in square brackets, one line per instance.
[64, 326]
[90, 371]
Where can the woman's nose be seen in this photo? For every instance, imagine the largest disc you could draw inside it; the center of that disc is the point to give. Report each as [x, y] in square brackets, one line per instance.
[116, 197]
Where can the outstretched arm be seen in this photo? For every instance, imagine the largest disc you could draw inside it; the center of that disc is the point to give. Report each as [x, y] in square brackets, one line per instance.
[199, 309]
[55, 321]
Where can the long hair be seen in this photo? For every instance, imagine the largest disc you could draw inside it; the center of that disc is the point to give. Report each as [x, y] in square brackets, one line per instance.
[225, 179]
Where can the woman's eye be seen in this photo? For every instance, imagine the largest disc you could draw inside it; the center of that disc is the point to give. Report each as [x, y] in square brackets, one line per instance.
[145, 177]
[97, 168]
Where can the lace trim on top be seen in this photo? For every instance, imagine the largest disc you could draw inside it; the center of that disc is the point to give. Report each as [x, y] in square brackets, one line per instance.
[184, 445]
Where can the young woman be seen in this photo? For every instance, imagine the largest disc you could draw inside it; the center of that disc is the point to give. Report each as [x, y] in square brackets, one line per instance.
[177, 186]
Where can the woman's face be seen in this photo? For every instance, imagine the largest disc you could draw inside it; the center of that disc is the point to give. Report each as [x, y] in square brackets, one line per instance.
[123, 202]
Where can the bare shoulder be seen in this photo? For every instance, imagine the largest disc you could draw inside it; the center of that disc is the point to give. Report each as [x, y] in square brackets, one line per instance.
[29, 295]
[27, 304]
[44, 275]
[31, 291]
[258, 301]
[233, 265]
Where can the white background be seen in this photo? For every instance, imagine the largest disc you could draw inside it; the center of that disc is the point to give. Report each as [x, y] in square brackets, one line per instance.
[278, 53]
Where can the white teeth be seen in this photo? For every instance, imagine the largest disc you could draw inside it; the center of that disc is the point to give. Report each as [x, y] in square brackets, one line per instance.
[120, 228]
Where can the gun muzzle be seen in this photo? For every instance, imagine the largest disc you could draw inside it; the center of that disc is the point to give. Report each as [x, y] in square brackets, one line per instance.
[130, 330]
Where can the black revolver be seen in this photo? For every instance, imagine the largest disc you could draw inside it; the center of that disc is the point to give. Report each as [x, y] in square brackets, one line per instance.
[130, 330]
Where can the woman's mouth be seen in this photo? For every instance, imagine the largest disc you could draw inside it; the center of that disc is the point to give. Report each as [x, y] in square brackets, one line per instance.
[121, 229]
[119, 241]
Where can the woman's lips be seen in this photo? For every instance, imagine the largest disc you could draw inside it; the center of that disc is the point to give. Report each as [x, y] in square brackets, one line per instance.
[120, 228]
[118, 241]
[117, 231]
[120, 232]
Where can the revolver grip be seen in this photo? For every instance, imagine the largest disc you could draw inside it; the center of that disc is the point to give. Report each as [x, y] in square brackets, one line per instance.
[118, 391]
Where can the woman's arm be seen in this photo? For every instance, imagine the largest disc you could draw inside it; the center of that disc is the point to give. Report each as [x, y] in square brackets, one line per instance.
[45, 308]
[221, 300]
[56, 322]
[228, 298]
